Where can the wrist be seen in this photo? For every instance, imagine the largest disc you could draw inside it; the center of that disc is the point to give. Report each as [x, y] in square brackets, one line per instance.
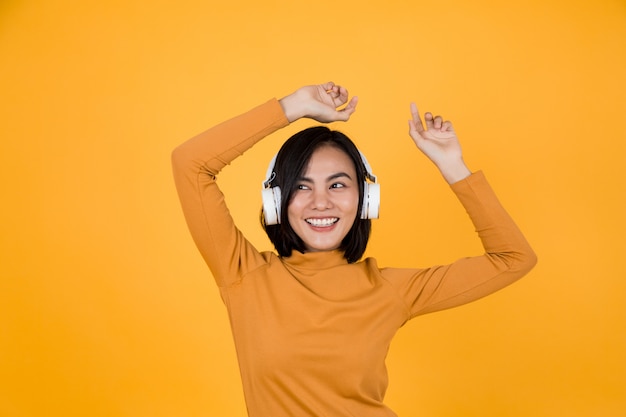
[454, 171]
[291, 106]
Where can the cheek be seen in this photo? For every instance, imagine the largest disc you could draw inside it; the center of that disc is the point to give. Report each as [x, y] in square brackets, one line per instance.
[351, 202]
[294, 208]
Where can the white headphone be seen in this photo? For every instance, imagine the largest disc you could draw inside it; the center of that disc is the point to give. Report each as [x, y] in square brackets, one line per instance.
[272, 196]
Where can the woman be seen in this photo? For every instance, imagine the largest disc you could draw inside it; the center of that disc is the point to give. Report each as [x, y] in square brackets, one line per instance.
[312, 324]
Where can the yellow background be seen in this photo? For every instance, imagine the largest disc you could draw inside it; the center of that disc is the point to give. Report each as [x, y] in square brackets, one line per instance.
[106, 308]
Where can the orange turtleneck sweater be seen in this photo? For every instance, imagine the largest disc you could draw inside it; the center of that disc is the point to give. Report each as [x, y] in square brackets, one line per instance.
[312, 331]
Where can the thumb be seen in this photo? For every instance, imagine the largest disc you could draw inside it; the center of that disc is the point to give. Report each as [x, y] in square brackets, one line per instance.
[345, 113]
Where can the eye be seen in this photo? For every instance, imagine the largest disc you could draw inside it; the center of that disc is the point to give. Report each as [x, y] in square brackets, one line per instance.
[302, 187]
[337, 185]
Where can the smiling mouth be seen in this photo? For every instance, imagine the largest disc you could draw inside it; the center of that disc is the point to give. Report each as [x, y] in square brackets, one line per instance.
[322, 222]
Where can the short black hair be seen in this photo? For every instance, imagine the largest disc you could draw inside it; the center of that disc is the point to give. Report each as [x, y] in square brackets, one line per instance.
[291, 161]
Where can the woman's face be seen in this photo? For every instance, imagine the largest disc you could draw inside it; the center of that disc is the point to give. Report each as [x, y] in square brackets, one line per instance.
[325, 205]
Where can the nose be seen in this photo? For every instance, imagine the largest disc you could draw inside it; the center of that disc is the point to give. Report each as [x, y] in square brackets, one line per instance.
[321, 199]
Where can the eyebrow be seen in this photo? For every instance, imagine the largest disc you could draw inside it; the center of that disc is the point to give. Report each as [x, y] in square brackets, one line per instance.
[329, 178]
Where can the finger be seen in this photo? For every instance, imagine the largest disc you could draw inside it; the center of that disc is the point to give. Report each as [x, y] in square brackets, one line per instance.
[437, 122]
[447, 126]
[413, 131]
[332, 92]
[346, 112]
[428, 117]
[417, 121]
[416, 132]
[341, 94]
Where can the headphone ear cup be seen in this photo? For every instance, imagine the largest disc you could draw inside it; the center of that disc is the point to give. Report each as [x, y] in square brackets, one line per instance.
[371, 201]
[271, 205]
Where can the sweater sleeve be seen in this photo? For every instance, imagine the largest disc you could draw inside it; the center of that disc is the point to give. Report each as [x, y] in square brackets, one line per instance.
[508, 257]
[195, 164]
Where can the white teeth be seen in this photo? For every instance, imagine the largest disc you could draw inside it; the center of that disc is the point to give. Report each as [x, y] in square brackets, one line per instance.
[322, 222]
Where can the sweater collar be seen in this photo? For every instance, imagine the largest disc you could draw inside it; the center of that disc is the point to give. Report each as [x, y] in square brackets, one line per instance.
[315, 260]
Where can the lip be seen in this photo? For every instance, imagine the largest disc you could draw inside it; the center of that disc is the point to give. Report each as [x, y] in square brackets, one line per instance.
[322, 223]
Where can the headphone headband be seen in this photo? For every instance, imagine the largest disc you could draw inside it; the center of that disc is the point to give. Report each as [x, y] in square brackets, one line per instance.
[270, 174]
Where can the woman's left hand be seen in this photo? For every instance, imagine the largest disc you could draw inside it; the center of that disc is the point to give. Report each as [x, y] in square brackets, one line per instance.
[438, 141]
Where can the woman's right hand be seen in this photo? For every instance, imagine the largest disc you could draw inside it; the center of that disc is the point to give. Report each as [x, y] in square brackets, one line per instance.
[320, 102]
